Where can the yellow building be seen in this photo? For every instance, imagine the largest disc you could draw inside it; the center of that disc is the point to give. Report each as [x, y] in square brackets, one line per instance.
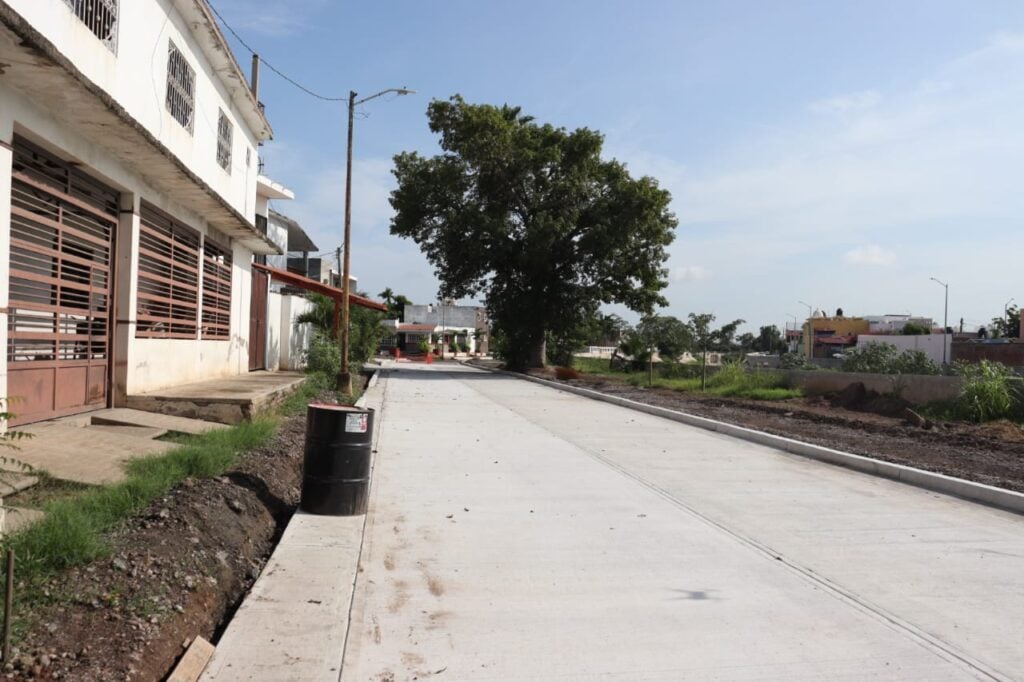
[830, 335]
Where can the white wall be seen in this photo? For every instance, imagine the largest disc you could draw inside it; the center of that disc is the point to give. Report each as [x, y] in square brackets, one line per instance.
[136, 77]
[276, 332]
[159, 363]
[278, 233]
[294, 337]
[931, 344]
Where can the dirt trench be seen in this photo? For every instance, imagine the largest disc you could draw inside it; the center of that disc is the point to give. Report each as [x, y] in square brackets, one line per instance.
[176, 571]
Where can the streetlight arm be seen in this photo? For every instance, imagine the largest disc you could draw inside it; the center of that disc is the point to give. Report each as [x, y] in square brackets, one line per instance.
[398, 91]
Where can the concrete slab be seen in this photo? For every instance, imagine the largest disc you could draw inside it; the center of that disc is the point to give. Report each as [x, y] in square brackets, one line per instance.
[127, 417]
[76, 452]
[229, 401]
[521, 533]
[292, 625]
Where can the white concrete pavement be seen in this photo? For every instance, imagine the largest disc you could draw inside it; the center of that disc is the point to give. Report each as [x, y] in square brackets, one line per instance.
[521, 533]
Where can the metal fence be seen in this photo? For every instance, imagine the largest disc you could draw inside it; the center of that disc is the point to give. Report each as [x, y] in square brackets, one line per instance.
[100, 16]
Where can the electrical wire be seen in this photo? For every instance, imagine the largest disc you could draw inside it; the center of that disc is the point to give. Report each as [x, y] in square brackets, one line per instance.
[270, 66]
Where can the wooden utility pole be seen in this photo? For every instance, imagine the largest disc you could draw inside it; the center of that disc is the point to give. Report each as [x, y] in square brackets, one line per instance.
[344, 375]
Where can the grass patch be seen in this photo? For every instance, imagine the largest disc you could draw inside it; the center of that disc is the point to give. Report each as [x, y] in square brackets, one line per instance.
[731, 381]
[71, 532]
[595, 366]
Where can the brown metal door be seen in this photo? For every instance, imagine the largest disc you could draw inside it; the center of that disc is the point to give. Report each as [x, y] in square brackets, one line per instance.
[62, 233]
[258, 321]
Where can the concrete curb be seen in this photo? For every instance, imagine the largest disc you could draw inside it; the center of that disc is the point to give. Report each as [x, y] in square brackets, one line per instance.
[1000, 498]
[294, 622]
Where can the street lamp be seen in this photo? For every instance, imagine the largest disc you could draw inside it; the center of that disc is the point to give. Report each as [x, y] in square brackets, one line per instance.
[945, 318]
[809, 335]
[344, 383]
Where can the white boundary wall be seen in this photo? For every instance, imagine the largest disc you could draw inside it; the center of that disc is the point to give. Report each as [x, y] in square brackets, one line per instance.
[930, 344]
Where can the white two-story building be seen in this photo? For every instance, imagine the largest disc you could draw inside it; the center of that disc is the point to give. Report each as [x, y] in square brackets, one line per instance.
[128, 199]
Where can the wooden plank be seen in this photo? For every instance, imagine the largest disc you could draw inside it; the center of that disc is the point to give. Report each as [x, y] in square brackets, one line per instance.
[193, 663]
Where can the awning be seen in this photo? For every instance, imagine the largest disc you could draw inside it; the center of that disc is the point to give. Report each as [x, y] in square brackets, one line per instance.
[337, 295]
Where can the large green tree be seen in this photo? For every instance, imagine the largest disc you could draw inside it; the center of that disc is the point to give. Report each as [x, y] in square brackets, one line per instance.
[533, 218]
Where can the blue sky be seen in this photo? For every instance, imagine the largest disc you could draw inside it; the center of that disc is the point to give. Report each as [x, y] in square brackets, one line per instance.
[839, 153]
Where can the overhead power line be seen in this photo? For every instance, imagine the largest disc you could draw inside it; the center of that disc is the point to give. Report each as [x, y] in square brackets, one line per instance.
[270, 66]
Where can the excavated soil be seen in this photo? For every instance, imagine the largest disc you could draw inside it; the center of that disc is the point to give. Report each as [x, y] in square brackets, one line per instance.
[992, 453]
[176, 571]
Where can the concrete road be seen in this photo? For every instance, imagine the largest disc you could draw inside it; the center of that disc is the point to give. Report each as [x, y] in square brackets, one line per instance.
[517, 532]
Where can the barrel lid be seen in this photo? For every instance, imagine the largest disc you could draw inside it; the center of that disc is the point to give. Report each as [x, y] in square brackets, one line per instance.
[339, 408]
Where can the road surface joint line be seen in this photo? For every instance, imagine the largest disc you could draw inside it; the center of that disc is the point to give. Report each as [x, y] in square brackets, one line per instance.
[976, 493]
[922, 637]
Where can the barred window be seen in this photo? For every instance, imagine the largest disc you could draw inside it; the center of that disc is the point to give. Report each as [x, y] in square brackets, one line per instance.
[216, 291]
[168, 300]
[181, 87]
[225, 132]
[100, 16]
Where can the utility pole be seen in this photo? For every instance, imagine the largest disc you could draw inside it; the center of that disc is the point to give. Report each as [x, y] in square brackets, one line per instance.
[344, 382]
[337, 305]
[945, 319]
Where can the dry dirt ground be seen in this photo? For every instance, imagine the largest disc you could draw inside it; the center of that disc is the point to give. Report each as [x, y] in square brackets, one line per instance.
[989, 453]
[176, 571]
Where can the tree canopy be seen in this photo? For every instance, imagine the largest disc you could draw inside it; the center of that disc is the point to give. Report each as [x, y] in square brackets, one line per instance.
[532, 217]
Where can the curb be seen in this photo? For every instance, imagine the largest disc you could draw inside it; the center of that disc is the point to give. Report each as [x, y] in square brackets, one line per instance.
[295, 620]
[1007, 500]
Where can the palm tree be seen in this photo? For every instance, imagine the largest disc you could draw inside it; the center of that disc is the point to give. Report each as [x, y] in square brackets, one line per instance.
[388, 296]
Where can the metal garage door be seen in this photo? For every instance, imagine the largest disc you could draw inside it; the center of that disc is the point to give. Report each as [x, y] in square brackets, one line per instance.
[62, 231]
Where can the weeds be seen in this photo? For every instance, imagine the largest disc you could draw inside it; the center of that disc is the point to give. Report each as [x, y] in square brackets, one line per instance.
[733, 380]
[990, 391]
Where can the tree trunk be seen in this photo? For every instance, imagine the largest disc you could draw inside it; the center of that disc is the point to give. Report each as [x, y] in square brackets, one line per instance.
[538, 352]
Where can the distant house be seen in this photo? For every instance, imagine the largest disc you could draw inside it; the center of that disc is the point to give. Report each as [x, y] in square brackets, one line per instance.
[129, 182]
[468, 326]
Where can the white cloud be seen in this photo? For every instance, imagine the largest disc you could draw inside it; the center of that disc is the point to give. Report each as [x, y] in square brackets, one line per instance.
[689, 273]
[870, 254]
[270, 18]
[847, 104]
[935, 164]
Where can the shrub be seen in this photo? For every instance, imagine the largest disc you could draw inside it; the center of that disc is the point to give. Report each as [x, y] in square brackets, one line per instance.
[324, 356]
[990, 391]
[873, 358]
[885, 358]
[796, 361]
[424, 345]
[914, 329]
[915, 362]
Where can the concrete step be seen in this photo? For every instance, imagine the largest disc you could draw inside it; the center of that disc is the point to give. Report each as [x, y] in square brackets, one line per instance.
[123, 416]
[149, 432]
[11, 482]
[15, 519]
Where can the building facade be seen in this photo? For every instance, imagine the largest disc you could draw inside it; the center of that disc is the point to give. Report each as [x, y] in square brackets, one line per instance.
[129, 167]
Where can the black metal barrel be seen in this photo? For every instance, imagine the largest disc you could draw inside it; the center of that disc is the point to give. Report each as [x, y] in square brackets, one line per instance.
[336, 465]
